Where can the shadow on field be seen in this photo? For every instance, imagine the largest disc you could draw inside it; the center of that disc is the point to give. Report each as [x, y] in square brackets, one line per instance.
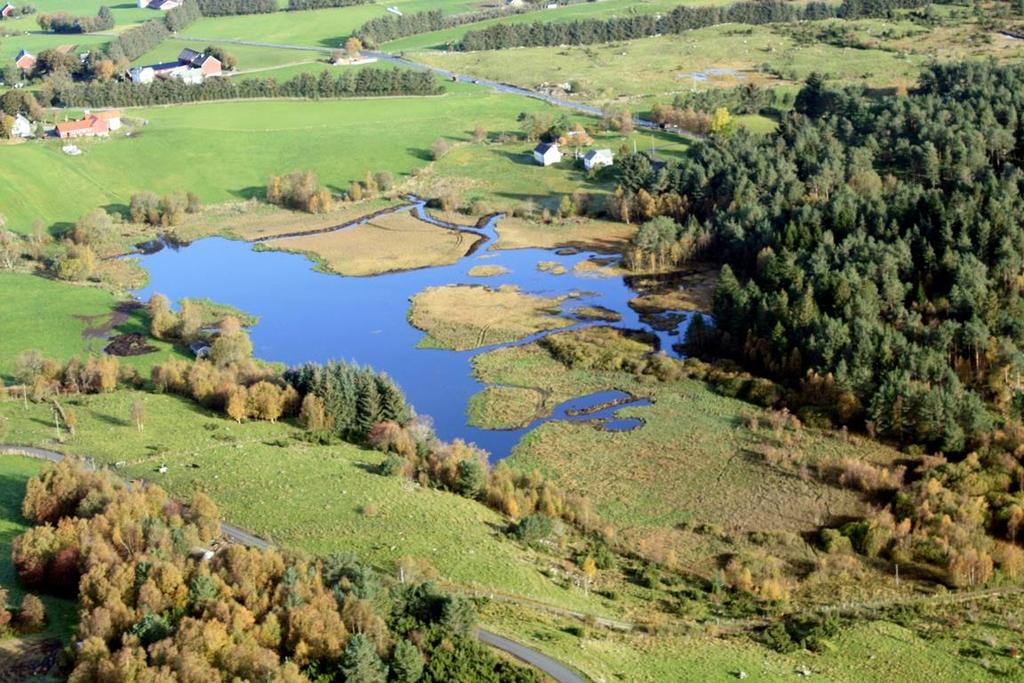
[524, 158]
[112, 420]
[336, 42]
[252, 192]
[421, 154]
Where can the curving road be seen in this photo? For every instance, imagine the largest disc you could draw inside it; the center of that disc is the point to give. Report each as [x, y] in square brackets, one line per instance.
[559, 672]
[449, 75]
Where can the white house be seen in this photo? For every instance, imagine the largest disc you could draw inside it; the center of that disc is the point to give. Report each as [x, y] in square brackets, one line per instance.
[547, 153]
[142, 74]
[598, 158]
[22, 127]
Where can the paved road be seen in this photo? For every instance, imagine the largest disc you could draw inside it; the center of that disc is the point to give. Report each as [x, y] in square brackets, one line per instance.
[553, 668]
[445, 73]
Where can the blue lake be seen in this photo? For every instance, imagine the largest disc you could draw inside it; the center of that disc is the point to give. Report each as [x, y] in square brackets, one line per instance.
[305, 315]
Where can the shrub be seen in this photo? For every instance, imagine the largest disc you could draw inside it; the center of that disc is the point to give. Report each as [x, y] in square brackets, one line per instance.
[533, 528]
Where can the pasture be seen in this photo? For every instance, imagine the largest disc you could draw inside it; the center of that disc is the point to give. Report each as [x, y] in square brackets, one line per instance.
[126, 14]
[225, 151]
[63, 320]
[316, 499]
[718, 56]
[323, 28]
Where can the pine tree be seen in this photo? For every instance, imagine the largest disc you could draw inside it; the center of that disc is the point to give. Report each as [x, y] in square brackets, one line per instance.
[406, 663]
[360, 663]
[367, 406]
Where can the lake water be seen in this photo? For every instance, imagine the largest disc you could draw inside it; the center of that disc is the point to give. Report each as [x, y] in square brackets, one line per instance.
[305, 315]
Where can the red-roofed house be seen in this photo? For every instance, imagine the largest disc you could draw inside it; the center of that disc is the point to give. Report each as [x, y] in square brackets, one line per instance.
[90, 126]
[25, 60]
[111, 116]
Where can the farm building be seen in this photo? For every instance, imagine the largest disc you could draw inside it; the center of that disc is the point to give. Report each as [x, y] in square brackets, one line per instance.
[90, 126]
[162, 5]
[111, 116]
[547, 153]
[598, 158]
[192, 67]
[25, 60]
[22, 127]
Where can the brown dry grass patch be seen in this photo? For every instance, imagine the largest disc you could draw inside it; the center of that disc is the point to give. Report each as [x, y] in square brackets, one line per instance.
[470, 316]
[393, 242]
[588, 234]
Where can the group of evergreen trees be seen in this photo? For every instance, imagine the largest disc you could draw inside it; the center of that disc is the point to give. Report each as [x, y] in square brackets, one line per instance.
[353, 398]
[220, 8]
[366, 82]
[875, 241]
[62, 22]
[680, 19]
[180, 18]
[298, 5]
[391, 27]
[137, 41]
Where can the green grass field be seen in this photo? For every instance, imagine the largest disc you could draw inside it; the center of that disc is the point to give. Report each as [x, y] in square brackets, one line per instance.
[718, 56]
[53, 317]
[225, 151]
[317, 499]
[37, 42]
[15, 471]
[126, 14]
[316, 28]
[505, 175]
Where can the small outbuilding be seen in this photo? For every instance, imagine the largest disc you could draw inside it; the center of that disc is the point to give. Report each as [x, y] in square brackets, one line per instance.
[598, 158]
[547, 153]
[25, 60]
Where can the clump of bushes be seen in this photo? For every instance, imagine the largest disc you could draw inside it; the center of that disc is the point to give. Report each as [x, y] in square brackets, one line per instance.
[299, 190]
[166, 211]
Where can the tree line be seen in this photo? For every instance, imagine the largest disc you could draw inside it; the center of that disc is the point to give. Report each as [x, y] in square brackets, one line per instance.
[366, 82]
[137, 41]
[680, 19]
[299, 5]
[154, 602]
[221, 8]
[63, 22]
[381, 29]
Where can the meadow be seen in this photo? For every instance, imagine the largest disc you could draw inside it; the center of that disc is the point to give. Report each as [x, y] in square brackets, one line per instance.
[126, 14]
[503, 175]
[700, 461]
[581, 233]
[323, 28]
[718, 56]
[876, 651]
[225, 151]
[310, 498]
[63, 331]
